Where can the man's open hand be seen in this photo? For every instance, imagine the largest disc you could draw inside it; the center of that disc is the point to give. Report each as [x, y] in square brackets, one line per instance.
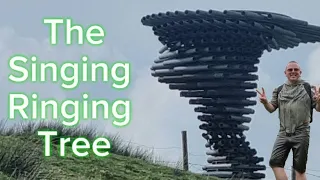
[316, 94]
[263, 97]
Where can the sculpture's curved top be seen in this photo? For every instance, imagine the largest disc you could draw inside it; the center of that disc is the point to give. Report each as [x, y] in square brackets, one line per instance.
[274, 30]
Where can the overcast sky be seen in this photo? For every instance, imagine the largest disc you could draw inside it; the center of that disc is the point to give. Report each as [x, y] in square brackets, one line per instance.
[157, 121]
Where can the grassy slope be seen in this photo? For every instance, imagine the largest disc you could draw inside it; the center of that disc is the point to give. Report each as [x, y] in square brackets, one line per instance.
[26, 153]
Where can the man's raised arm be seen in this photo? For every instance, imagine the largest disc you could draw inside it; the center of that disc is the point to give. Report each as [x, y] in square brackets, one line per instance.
[273, 104]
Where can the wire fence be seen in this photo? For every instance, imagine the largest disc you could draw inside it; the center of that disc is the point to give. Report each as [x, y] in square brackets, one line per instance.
[199, 166]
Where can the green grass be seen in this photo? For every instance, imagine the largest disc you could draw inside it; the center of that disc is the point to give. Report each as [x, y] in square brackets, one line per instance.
[22, 157]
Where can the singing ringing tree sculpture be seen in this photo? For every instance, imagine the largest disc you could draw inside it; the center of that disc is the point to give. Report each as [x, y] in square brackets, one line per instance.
[210, 56]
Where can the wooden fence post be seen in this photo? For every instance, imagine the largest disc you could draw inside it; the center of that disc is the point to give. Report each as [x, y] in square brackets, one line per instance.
[185, 151]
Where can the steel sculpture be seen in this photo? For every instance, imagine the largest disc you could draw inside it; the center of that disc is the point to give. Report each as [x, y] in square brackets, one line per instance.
[210, 56]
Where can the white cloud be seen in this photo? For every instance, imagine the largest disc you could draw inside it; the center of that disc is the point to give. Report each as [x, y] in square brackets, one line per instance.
[313, 65]
[12, 43]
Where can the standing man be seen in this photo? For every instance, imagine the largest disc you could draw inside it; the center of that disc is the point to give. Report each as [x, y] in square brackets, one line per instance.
[295, 101]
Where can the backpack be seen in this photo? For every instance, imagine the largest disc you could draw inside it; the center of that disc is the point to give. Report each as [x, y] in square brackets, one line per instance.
[307, 87]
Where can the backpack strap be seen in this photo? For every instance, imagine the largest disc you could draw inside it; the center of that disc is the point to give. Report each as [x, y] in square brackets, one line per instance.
[307, 87]
[278, 91]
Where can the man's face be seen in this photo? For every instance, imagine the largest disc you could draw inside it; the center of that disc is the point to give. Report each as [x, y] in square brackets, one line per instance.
[293, 72]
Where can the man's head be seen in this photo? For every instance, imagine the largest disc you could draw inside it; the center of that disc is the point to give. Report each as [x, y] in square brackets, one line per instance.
[293, 71]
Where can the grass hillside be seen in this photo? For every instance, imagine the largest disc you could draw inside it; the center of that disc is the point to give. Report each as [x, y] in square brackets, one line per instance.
[22, 157]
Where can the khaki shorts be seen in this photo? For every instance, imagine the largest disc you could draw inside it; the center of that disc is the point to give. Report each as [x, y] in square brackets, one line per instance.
[298, 142]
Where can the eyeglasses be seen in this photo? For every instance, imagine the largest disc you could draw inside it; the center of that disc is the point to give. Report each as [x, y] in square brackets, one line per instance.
[293, 69]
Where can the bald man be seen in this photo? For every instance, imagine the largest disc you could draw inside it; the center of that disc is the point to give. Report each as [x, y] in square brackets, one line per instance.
[295, 101]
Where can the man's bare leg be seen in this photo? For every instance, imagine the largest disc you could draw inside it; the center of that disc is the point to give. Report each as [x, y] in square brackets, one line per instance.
[280, 173]
[279, 155]
[300, 153]
[300, 176]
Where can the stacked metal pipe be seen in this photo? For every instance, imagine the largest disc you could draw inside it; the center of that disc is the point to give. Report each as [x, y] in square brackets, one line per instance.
[211, 57]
